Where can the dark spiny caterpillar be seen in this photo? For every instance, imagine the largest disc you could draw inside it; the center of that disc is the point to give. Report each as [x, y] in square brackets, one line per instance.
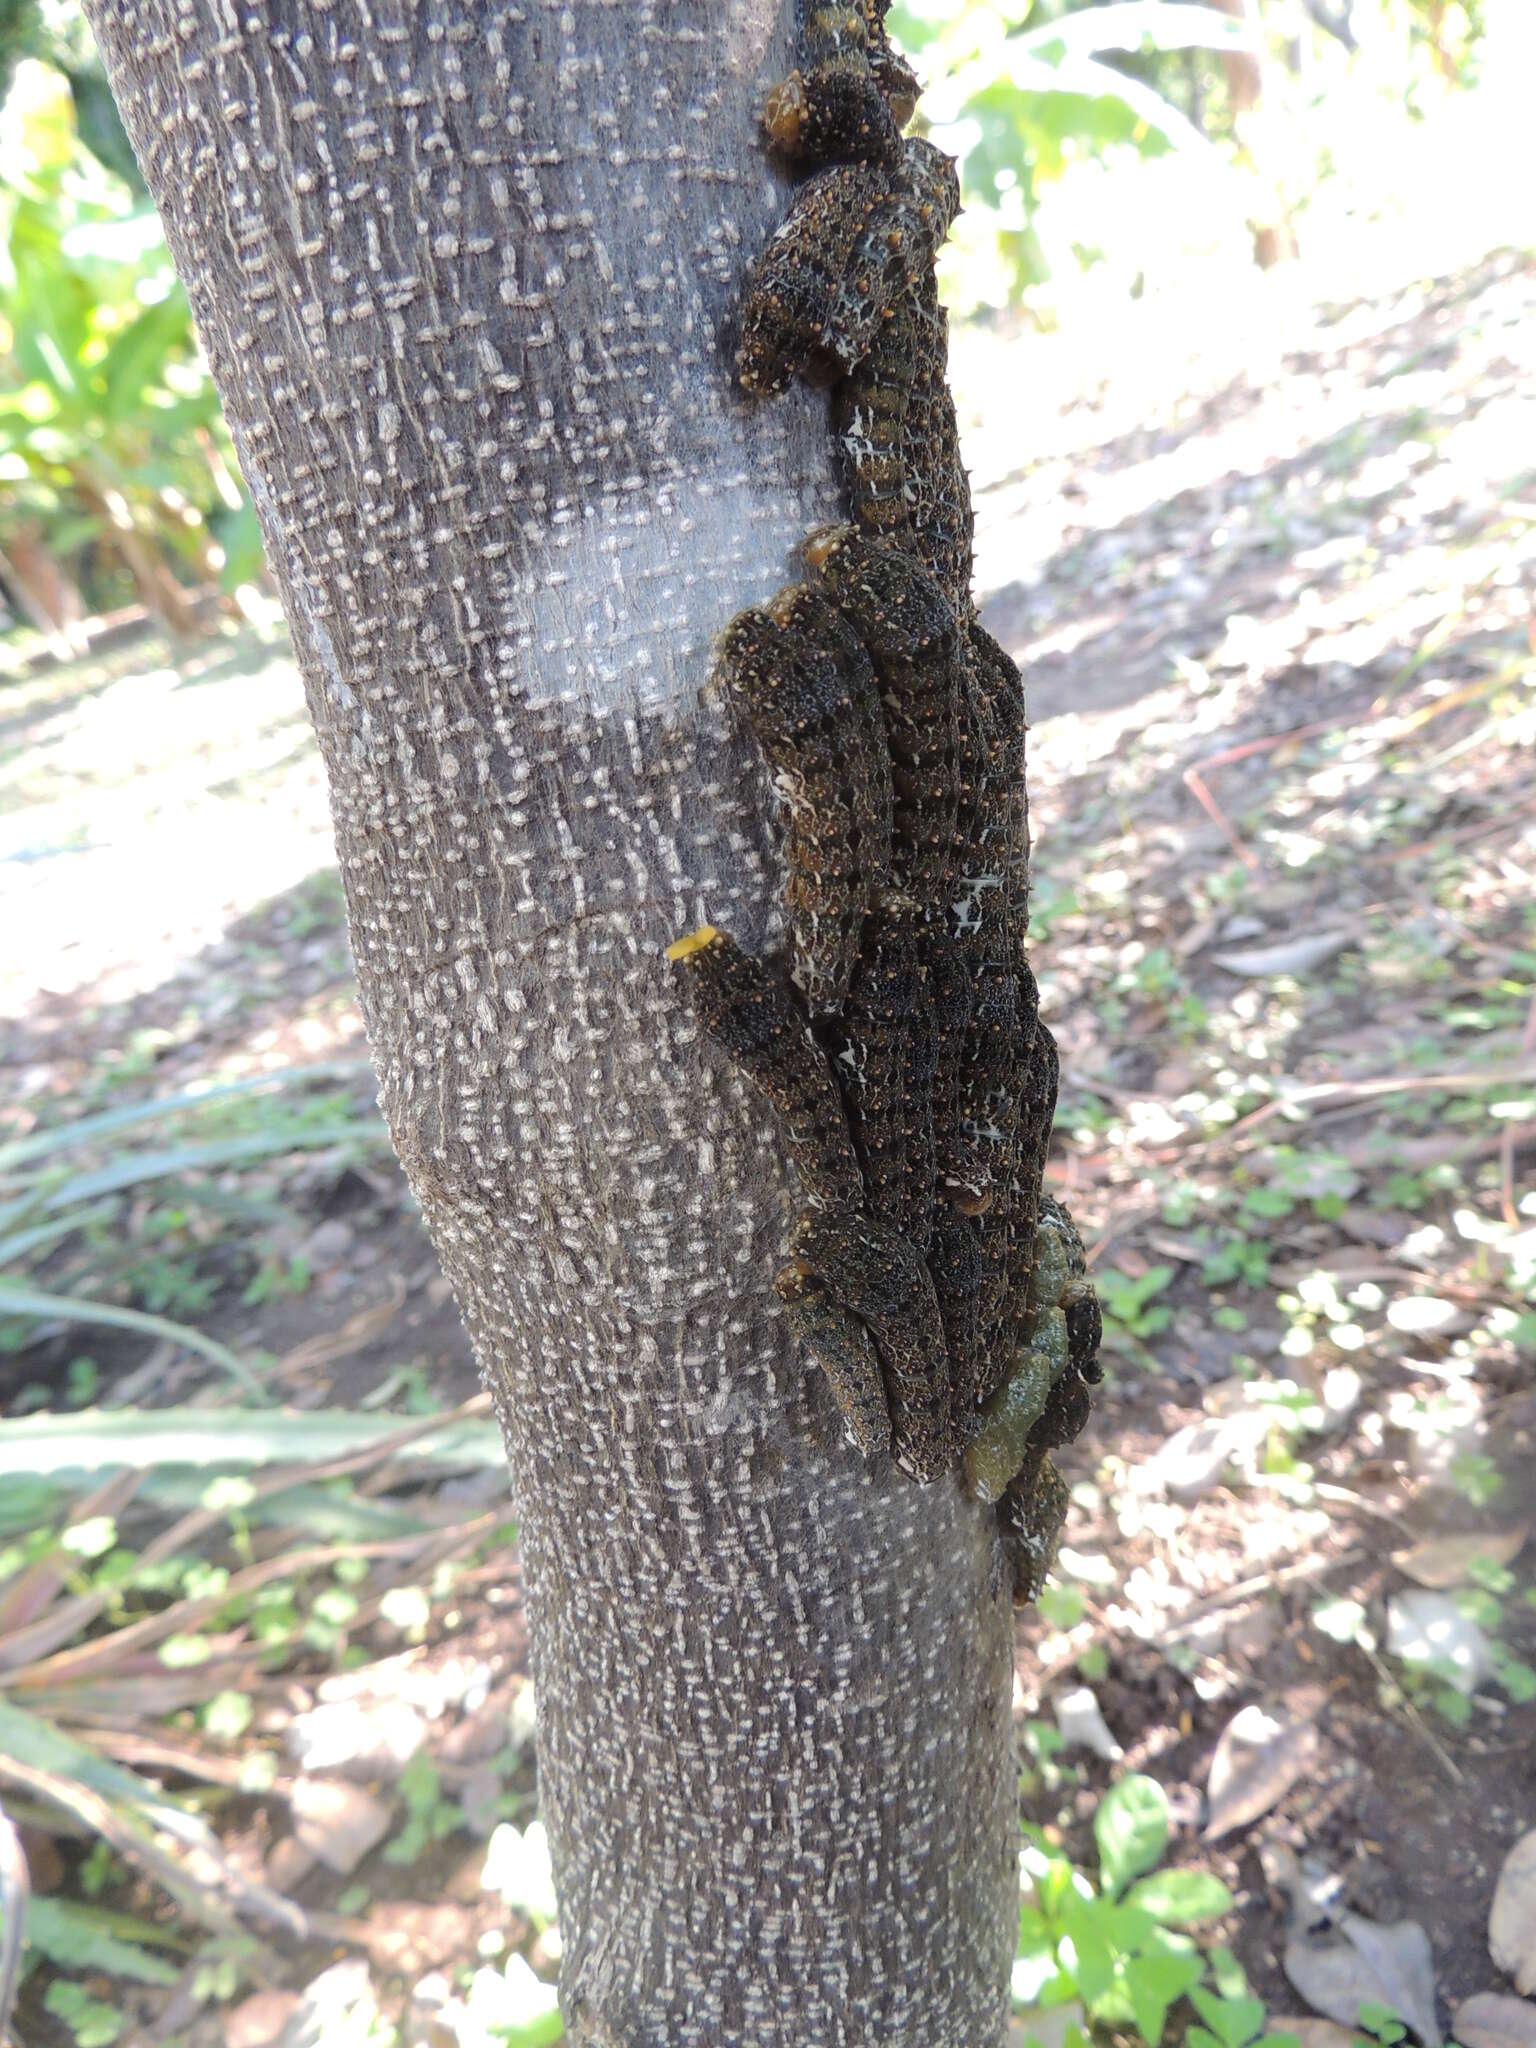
[941, 521]
[841, 105]
[854, 95]
[874, 1274]
[845, 1351]
[1030, 1515]
[856, 235]
[941, 1290]
[908, 625]
[894, 428]
[803, 682]
[751, 1016]
[887, 1055]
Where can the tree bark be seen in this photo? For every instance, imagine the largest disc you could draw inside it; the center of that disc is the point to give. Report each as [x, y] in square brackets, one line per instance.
[465, 275]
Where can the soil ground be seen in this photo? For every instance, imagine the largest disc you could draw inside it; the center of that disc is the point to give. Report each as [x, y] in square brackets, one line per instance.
[1273, 599]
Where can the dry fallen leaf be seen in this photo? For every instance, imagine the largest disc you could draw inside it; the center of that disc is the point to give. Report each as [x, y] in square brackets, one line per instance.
[339, 2005]
[336, 1822]
[1426, 1315]
[1444, 1560]
[1512, 1922]
[1367, 1962]
[1312, 2033]
[1081, 1721]
[362, 1738]
[1194, 1458]
[1291, 956]
[1493, 2021]
[259, 2019]
[1261, 1754]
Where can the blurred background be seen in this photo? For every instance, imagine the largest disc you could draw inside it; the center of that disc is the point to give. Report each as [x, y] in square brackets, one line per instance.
[1244, 296]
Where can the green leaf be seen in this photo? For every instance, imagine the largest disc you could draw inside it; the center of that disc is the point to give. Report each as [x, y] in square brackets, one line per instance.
[138, 352]
[1037, 1936]
[1062, 1606]
[1150, 1983]
[539, 2032]
[1228, 1974]
[1134, 25]
[1149, 2003]
[1235, 2020]
[93, 1537]
[76, 1937]
[1181, 1898]
[93, 2022]
[1381, 2020]
[1131, 1828]
[1095, 1964]
[1342, 1619]
[99, 125]
[227, 1715]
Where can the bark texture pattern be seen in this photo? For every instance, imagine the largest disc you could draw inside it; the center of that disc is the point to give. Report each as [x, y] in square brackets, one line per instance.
[465, 274]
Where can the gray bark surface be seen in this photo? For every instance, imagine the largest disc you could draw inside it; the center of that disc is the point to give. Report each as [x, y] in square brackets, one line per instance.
[465, 275]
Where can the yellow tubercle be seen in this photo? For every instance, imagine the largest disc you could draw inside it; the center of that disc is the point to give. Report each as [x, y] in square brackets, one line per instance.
[684, 949]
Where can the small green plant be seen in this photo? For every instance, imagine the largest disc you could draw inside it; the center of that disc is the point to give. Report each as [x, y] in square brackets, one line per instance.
[182, 1629]
[1062, 1606]
[429, 1817]
[1418, 1676]
[1120, 1945]
[92, 2022]
[1476, 1478]
[1132, 1312]
[278, 1278]
[1381, 2023]
[1241, 1261]
[1043, 1746]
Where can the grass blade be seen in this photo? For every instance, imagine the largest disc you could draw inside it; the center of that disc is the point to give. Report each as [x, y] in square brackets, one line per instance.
[64, 1137]
[23, 1241]
[30, 1301]
[52, 1767]
[208, 1156]
[233, 1439]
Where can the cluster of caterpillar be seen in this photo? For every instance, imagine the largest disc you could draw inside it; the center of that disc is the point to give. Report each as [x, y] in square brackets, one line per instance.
[942, 1294]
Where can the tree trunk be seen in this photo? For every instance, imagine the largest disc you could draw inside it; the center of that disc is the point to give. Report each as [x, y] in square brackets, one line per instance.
[1274, 238]
[465, 275]
[45, 591]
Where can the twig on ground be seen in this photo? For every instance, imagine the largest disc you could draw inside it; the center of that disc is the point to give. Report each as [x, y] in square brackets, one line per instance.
[1414, 1718]
[1229, 1596]
[1199, 788]
[1262, 1582]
